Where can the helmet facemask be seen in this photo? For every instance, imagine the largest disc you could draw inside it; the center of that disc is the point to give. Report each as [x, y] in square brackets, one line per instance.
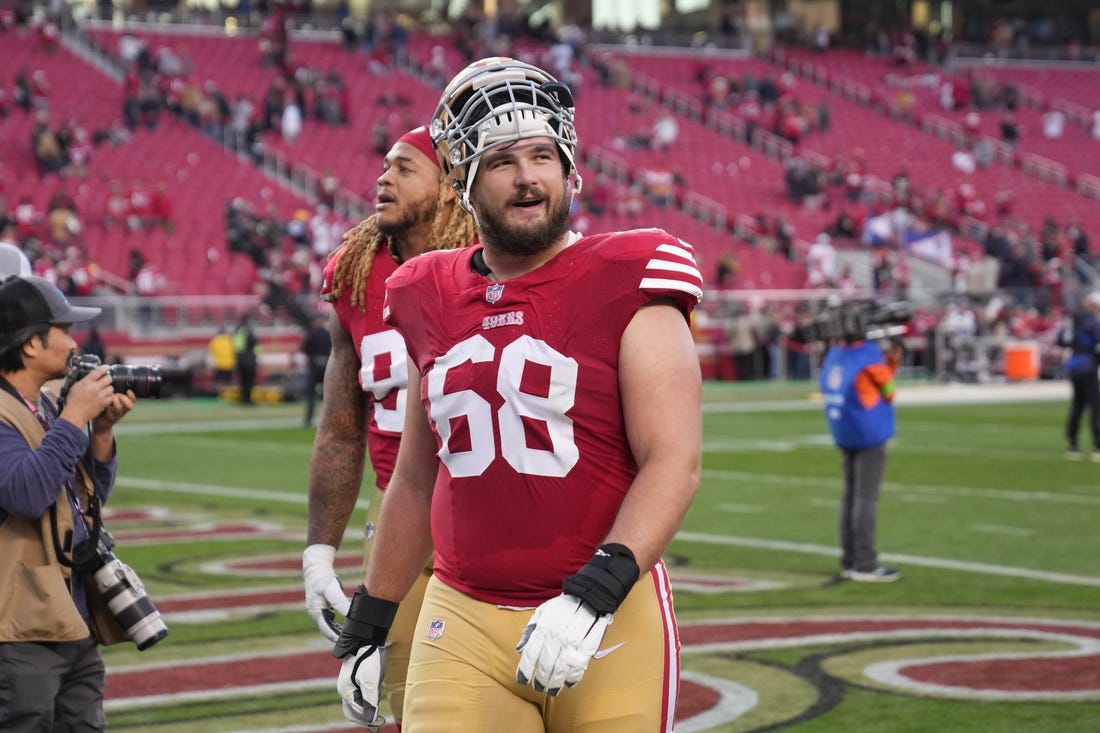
[497, 102]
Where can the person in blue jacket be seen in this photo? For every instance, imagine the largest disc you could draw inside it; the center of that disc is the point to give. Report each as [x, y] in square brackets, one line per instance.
[1081, 335]
[857, 384]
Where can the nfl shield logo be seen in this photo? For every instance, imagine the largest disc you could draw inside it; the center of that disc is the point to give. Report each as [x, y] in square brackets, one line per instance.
[493, 292]
[435, 630]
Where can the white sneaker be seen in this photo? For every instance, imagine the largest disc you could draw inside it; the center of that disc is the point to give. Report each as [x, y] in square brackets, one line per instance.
[878, 575]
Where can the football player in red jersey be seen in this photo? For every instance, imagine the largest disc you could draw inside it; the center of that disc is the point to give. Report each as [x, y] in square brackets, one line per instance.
[365, 381]
[553, 452]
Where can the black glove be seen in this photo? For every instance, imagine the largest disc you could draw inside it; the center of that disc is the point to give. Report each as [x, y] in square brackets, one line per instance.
[605, 580]
[362, 645]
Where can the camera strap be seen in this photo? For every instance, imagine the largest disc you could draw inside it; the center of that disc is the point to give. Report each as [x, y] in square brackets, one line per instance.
[83, 555]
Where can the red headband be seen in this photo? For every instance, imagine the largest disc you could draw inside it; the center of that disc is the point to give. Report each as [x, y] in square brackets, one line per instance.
[422, 141]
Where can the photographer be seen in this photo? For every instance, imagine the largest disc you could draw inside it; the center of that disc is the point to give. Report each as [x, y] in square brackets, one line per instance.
[56, 467]
[857, 383]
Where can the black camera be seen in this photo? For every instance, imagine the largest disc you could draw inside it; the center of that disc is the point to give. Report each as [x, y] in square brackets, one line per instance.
[124, 593]
[144, 381]
[855, 321]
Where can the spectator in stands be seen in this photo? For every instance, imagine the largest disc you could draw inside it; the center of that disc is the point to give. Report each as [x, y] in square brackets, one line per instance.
[380, 135]
[665, 131]
[62, 221]
[161, 209]
[47, 148]
[291, 121]
[1010, 130]
[900, 273]
[982, 151]
[963, 161]
[882, 274]
[435, 70]
[247, 350]
[1020, 273]
[385, 40]
[726, 272]
[297, 228]
[148, 99]
[214, 109]
[598, 195]
[117, 206]
[149, 283]
[274, 39]
[21, 92]
[140, 206]
[822, 255]
[273, 104]
[29, 221]
[1054, 123]
[658, 182]
[325, 230]
[331, 100]
[845, 226]
[784, 238]
[77, 274]
[240, 118]
[960, 273]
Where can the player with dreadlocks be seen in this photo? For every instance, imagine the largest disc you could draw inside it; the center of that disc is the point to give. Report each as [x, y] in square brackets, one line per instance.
[365, 380]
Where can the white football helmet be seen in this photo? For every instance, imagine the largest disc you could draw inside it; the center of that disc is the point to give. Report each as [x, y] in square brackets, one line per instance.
[497, 101]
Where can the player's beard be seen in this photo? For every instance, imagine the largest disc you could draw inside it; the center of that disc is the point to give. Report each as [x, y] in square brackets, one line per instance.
[421, 211]
[523, 241]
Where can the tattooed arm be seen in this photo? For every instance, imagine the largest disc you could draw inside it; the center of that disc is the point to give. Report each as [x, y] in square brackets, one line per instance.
[339, 450]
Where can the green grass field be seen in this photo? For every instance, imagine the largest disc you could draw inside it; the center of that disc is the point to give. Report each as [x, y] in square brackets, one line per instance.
[994, 626]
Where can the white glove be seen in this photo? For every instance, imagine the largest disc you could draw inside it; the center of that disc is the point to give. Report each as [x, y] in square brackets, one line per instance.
[324, 593]
[559, 640]
[360, 684]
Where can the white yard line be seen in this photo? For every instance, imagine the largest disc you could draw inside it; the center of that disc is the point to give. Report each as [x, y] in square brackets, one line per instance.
[980, 568]
[813, 482]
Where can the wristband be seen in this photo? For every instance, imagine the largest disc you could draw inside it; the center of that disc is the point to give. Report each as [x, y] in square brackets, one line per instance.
[605, 580]
[367, 623]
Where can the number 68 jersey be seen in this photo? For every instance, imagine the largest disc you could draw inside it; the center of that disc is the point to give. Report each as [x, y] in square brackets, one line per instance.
[520, 383]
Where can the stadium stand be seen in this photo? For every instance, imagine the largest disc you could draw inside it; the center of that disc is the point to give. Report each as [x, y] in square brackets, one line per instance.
[725, 180]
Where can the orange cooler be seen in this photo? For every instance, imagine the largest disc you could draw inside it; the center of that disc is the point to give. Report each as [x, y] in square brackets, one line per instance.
[1021, 360]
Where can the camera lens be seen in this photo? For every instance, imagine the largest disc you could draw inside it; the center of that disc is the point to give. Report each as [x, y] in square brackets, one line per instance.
[144, 381]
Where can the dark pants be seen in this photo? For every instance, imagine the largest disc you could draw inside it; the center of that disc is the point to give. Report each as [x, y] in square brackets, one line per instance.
[54, 686]
[246, 374]
[314, 377]
[1086, 395]
[863, 471]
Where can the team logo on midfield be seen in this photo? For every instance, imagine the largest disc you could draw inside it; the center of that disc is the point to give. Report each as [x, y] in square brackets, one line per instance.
[435, 629]
[493, 292]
